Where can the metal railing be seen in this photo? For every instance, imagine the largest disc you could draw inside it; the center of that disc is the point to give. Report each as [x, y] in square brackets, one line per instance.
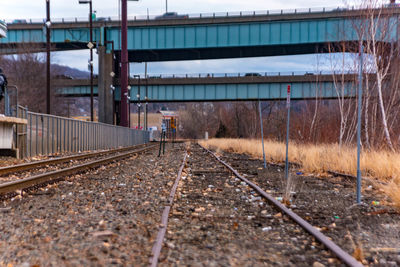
[244, 74]
[47, 134]
[202, 15]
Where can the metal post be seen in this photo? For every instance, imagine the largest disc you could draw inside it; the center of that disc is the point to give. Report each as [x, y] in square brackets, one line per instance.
[91, 61]
[139, 105]
[52, 135]
[48, 135]
[42, 139]
[360, 78]
[37, 135]
[58, 135]
[129, 112]
[124, 65]
[161, 141]
[287, 133]
[166, 6]
[64, 135]
[146, 97]
[30, 135]
[262, 133]
[48, 57]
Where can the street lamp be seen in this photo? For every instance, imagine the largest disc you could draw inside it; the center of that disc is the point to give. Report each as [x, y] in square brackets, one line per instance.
[47, 25]
[90, 45]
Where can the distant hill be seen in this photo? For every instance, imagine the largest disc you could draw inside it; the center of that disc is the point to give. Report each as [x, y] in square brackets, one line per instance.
[68, 71]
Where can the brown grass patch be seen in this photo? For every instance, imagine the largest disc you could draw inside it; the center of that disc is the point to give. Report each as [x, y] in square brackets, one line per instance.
[318, 159]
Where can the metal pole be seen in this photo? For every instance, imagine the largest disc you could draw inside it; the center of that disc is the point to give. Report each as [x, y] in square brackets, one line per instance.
[146, 97]
[360, 80]
[287, 133]
[139, 105]
[91, 62]
[262, 133]
[166, 6]
[124, 65]
[129, 112]
[48, 110]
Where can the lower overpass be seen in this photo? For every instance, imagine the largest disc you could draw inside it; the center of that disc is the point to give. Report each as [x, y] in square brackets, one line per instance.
[209, 87]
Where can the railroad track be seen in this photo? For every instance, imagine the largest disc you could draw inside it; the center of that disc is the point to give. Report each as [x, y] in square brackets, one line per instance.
[200, 193]
[48, 162]
[9, 189]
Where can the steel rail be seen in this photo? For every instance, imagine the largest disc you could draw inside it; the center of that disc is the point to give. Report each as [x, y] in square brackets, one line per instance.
[156, 250]
[12, 187]
[35, 164]
[340, 253]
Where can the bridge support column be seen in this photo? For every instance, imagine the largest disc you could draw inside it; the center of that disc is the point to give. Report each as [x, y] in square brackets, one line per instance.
[106, 111]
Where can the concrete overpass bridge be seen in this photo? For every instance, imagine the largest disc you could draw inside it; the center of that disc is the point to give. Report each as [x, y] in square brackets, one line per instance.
[209, 36]
[221, 87]
[206, 36]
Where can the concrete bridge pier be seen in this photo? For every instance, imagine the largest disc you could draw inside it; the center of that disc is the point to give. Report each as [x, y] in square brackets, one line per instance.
[106, 114]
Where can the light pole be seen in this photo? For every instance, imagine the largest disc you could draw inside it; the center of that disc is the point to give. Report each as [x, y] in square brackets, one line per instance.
[90, 45]
[146, 98]
[48, 24]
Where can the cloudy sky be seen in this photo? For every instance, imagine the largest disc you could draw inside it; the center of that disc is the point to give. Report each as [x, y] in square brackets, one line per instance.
[35, 9]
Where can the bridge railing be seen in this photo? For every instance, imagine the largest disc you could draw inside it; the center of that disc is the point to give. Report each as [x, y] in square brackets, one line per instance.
[243, 74]
[47, 134]
[197, 15]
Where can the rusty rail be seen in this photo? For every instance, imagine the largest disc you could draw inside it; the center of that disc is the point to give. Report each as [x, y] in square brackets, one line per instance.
[340, 253]
[36, 164]
[11, 187]
[164, 218]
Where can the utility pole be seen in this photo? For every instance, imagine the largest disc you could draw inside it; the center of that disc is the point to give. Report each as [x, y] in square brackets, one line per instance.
[91, 61]
[124, 64]
[48, 24]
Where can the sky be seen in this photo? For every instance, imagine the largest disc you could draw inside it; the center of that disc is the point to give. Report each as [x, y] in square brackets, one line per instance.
[36, 9]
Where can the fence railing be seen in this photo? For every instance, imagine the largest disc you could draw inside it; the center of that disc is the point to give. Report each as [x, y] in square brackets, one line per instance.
[203, 15]
[244, 74]
[47, 134]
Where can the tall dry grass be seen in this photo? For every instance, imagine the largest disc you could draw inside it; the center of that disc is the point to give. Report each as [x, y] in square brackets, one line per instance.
[317, 159]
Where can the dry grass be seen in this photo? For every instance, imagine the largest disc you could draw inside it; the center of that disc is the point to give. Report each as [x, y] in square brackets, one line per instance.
[318, 159]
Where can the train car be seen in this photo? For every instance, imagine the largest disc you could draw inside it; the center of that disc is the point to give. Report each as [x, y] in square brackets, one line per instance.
[3, 29]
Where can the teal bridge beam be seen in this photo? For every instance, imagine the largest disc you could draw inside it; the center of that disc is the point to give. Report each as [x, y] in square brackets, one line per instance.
[211, 88]
[202, 37]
